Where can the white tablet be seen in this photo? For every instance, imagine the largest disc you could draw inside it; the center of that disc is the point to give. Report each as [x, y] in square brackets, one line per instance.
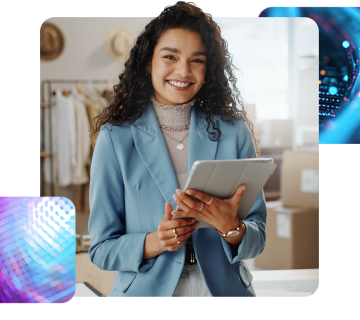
[220, 178]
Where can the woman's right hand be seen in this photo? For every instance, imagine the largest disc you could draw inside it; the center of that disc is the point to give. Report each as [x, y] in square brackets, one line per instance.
[183, 228]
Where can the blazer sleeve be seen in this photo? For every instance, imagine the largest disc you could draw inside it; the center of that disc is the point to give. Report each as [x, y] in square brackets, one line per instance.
[111, 248]
[253, 241]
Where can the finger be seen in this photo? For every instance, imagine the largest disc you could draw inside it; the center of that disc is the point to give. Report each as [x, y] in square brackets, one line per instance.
[190, 202]
[203, 197]
[175, 247]
[189, 206]
[168, 210]
[173, 241]
[168, 243]
[184, 214]
[238, 194]
[182, 230]
[186, 235]
[176, 223]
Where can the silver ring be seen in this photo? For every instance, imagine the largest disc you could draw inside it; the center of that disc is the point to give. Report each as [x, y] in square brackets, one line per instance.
[209, 201]
[175, 234]
[202, 205]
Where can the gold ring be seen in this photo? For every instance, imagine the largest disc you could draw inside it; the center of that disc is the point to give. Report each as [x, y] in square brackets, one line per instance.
[209, 201]
[175, 234]
[202, 205]
[177, 239]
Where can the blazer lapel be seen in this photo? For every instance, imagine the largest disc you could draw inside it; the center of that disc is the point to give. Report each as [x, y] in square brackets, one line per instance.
[151, 146]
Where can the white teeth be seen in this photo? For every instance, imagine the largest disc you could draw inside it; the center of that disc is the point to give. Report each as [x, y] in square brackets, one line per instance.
[179, 84]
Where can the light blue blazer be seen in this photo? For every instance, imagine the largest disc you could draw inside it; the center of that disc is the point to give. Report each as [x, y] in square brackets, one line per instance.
[131, 179]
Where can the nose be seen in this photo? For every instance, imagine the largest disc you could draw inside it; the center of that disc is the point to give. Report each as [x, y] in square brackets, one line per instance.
[183, 69]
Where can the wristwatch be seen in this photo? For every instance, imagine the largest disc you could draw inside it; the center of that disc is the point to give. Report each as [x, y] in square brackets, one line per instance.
[231, 233]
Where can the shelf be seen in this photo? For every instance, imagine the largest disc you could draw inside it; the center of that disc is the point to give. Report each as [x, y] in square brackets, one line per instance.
[44, 154]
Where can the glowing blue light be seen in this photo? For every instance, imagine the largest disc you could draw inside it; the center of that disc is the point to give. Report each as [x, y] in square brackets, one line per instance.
[345, 78]
[281, 12]
[343, 130]
[346, 44]
[333, 90]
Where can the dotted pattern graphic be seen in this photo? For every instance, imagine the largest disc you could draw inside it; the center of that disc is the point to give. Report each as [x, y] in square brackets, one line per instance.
[37, 250]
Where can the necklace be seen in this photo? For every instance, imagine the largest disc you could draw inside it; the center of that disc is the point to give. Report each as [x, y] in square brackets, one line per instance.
[180, 146]
[172, 129]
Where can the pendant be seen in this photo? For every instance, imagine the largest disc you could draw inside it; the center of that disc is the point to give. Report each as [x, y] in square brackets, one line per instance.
[180, 146]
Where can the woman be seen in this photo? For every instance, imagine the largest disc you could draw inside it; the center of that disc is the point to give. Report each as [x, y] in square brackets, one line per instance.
[176, 103]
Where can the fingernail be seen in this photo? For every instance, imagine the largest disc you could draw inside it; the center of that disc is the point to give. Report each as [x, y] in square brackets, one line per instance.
[188, 192]
[174, 197]
[177, 191]
[173, 213]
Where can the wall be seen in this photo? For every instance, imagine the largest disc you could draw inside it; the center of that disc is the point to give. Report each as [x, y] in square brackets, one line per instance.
[84, 55]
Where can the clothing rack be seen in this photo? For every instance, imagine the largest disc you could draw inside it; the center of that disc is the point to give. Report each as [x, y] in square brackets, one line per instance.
[46, 93]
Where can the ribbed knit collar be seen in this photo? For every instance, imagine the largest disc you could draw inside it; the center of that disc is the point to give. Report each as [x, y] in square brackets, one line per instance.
[172, 115]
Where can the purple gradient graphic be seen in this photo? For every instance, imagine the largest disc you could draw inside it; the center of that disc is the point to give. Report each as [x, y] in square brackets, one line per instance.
[37, 250]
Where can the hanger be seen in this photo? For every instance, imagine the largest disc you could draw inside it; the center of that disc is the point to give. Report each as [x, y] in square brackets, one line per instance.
[81, 91]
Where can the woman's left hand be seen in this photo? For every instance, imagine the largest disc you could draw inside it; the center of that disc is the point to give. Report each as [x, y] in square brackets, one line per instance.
[220, 213]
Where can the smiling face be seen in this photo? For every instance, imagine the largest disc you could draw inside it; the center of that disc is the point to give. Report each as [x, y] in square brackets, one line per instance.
[178, 66]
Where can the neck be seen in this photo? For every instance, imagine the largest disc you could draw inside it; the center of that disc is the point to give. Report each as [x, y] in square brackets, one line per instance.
[173, 116]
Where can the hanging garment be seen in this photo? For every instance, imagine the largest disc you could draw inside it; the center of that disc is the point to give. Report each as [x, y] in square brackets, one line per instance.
[101, 102]
[64, 139]
[82, 139]
[92, 112]
[70, 130]
[81, 193]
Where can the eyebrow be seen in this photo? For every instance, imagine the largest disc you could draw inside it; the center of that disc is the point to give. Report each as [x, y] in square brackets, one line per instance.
[196, 53]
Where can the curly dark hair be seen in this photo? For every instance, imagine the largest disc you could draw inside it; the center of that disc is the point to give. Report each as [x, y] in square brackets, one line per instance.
[217, 96]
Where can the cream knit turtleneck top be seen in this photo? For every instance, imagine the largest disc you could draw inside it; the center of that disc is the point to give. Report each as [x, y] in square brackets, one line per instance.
[175, 117]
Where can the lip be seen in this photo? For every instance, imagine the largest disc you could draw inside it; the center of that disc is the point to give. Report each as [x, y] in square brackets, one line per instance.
[179, 88]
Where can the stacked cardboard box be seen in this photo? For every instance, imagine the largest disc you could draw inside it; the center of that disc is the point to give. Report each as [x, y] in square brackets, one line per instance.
[292, 238]
[300, 179]
[292, 227]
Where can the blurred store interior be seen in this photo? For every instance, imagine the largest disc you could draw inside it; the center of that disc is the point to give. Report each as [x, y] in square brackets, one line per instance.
[277, 61]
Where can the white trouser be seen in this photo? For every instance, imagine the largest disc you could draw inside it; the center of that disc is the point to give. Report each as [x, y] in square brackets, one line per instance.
[191, 283]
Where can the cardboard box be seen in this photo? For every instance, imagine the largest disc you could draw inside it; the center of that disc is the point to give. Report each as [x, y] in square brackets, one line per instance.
[292, 238]
[300, 179]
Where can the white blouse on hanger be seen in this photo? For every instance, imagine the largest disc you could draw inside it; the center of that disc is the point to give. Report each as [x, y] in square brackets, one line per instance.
[63, 140]
[83, 144]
